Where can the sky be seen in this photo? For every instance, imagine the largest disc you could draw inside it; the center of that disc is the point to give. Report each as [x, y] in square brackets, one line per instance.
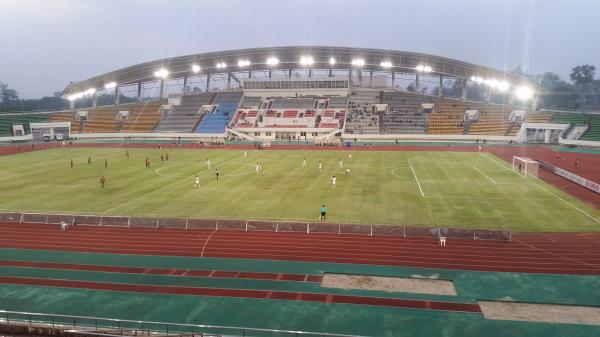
[48, 43]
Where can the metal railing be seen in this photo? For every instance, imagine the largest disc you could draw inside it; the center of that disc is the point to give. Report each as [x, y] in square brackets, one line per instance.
[72, 323]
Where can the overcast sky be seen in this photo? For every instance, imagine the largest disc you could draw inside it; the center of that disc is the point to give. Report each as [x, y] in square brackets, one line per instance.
[47, 43]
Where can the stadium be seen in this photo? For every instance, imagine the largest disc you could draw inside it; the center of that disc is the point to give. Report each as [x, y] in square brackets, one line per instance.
[301, 191]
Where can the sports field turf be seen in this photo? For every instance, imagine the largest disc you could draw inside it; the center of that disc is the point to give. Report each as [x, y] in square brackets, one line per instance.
[448, 189]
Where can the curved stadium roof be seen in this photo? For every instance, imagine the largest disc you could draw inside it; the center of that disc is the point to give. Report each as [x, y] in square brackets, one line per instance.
[289, 58]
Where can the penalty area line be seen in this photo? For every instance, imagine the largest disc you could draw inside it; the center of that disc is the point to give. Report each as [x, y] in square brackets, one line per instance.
[490, 178]
[552, 194]
[417, 179]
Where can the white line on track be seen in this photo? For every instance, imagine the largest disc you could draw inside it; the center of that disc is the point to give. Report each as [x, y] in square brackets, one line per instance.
[490, 178]
[206, 242]
[415, 175]
[552, 194]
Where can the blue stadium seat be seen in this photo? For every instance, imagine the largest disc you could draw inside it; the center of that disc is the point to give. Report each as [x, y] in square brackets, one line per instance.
[217, 121]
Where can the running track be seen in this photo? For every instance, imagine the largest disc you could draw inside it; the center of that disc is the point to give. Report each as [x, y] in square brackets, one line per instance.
[560, 253]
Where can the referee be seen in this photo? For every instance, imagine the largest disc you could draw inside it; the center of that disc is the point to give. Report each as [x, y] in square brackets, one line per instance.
[323, 213]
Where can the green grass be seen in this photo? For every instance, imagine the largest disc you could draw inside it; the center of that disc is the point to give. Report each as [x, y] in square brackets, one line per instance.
[460, 189]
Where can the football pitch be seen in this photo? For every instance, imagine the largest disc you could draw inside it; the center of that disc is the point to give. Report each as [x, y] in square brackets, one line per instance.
[447, 189]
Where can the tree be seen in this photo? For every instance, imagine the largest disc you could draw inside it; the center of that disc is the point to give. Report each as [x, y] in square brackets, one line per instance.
[556, 92]
[583, 74]
[7, 94]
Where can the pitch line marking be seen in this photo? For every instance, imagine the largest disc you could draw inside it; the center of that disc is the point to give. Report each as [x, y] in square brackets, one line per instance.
[490, 178]
[206, 242]
[394, 174]
[552, 194]
[568, 203]
[415, 175]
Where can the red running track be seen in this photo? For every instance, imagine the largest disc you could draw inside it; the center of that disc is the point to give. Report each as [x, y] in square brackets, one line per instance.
[164, 271]
[246, 293]
[536, 253]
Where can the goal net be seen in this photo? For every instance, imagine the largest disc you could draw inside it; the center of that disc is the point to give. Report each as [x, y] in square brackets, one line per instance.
[526, 167]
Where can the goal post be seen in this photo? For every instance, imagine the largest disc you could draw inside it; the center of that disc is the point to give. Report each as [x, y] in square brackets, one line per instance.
[525, 166]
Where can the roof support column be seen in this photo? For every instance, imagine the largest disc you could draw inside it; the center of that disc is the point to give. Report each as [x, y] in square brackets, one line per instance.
[393, 80]
[207, 82]
[441, 87]
[270, 73]
[489, 94]
[139, 91]
[535, 100]
[116, 95]
[350, 75]
[417, 84]
[95, 99]
[290, 73]
[185, 84]
[330, 72]
[370, 78]
[228, 80]
[360, 77]
[249, 73]
[72, 105]
[464, 89]
[162, 89]
[309, 72]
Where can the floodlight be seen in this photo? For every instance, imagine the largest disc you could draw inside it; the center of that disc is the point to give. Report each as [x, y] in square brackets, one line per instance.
[424, 69]
[110, 85]
[221, 65]
[72, 97]
[386, 64]
[162, 73]
[307, 61]
[243, 63]
[477, 79]
[524, 93]
[90, 91]
[332, 61]
[358, 62]
[196, 68]
[492, 82]
[272, 61]
[503, 86]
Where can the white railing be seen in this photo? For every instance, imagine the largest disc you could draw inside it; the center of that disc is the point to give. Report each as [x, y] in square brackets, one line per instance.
[72, 323]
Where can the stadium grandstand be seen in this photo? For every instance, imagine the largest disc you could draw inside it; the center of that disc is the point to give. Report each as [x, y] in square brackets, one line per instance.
[312, 94]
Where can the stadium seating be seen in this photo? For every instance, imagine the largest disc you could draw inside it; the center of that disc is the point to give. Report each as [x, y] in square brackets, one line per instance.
[593, 132]
[184, 117]
[570, 118]
[7, 121]
[361, 119]
[538, 117]
[404, 113]
[292, 103]
[493, 120]
[337, 102]
[143, 117]
[217, 120]
[249, 102]
[447, 118]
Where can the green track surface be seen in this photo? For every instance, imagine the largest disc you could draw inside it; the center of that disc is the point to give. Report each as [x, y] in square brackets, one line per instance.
[292, 315]
[458, 189]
